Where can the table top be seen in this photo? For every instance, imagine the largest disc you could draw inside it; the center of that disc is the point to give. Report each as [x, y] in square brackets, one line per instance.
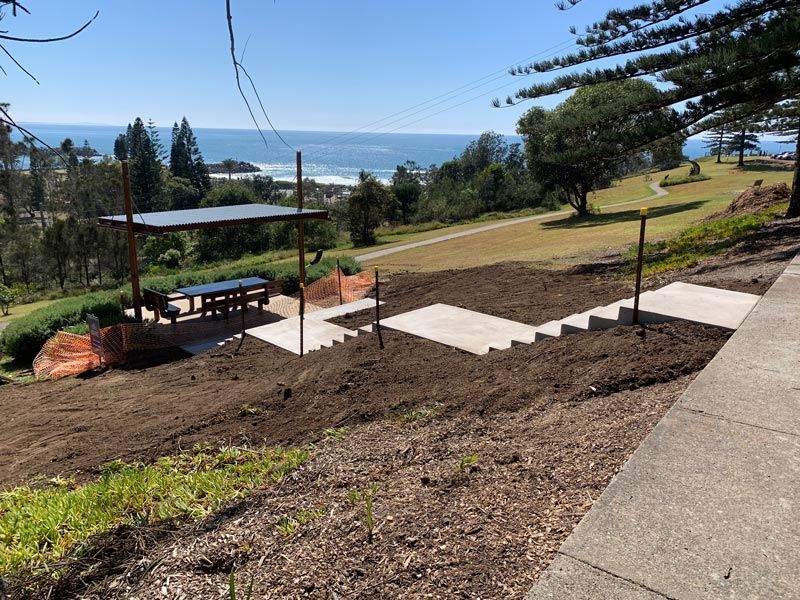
[221, 287]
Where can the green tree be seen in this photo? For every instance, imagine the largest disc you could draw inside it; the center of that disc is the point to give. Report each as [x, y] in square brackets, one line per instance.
[186, 160]
[145, 167]
[121, 147]
[407, 194]
[568, 152]
[741, 57]
[230, 166]
[8, 296]
[366, 208]
[57, 245]
[716, 141]
[742, 140]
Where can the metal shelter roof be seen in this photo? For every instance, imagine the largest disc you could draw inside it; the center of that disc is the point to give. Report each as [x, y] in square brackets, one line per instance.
[206, 218]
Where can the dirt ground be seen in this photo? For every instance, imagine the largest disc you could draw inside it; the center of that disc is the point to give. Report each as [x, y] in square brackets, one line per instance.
[548, 425]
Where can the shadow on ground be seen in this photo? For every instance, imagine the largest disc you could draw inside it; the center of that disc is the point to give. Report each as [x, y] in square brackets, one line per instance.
[574, 222]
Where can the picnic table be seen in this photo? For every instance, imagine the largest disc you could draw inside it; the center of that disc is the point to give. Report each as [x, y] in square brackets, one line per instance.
[222, 294]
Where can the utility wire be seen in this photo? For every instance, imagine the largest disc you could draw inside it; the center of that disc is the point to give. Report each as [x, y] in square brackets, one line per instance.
[493, 76]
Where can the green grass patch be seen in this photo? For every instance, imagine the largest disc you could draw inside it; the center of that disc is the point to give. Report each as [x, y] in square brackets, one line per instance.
[699, 241]
[682, 180]
[39, 525]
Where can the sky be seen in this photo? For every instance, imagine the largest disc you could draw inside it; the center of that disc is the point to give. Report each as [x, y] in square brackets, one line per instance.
[319, 65]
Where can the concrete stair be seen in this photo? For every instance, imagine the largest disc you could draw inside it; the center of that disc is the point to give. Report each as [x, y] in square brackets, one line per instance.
[479, 333]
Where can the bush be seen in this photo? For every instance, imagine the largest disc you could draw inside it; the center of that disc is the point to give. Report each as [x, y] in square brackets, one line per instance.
[25, 336]
[682, 180]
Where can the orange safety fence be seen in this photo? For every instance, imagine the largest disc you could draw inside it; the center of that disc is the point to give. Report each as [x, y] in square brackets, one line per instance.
[71, 354]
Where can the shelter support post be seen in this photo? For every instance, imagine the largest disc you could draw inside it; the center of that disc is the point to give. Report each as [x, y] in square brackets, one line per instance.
[132, 258]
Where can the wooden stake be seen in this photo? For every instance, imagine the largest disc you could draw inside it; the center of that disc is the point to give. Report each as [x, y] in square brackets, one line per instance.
[132, 258]
[639, 260]
[302, 313]
[339, 274]
[378, 308]
[301, 243]
[244, 305]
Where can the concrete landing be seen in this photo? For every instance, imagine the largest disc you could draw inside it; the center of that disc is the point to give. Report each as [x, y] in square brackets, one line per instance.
[316, 334]
[342, 309]
[689, 302]
[707, 507]
[461, 328]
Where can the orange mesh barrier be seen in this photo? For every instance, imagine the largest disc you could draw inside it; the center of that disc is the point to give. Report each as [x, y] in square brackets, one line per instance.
[70, 354]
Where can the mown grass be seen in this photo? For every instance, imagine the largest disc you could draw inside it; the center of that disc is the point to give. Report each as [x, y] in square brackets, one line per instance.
[699, 241]
[560, 242]
[39, 525]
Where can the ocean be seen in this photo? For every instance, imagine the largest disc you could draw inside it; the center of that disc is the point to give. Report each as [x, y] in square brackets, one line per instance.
[328, 157]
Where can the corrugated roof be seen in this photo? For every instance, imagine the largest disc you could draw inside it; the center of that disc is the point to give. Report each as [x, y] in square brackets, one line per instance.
[205, 218]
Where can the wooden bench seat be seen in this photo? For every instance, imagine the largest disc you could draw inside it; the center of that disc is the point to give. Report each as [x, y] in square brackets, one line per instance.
[159, 304]
[232, 300]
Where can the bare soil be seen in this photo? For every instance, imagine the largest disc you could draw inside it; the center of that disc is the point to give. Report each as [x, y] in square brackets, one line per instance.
[755, 199]
[548, 425]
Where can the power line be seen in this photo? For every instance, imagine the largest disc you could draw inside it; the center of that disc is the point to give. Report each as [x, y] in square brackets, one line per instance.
[452, 94]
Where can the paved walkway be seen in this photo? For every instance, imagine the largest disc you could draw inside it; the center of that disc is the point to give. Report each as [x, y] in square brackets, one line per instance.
[657, 189]
[708, 507]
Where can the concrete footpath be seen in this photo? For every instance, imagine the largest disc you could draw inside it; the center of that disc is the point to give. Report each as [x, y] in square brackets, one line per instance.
[658, 192]
[709, 505]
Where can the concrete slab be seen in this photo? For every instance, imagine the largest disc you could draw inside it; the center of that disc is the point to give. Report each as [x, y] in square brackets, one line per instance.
[316, 334]
[337, 311]
[461, 328]
[569, 578]
[695, 303]
[705, 509]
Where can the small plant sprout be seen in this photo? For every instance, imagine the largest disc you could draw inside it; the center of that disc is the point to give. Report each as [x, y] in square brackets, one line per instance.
[415, 414]
[466, 462]
[248, 410]
[367, 496]
[288, 526]
[335, 434]
[232, 588]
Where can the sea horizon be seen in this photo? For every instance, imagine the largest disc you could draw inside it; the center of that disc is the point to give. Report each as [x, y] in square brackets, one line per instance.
[328, 156]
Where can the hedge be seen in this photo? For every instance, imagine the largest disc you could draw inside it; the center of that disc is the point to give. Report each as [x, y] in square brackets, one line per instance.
[25, 336]
[682, 180]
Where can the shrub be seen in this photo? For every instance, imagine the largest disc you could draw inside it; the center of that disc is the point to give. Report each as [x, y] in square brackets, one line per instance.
[682, 180]
[25, 336]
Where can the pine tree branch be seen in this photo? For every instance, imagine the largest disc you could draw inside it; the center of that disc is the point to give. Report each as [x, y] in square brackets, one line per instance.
[11, 38]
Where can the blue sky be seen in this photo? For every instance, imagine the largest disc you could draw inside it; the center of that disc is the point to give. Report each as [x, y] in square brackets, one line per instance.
[319, 64]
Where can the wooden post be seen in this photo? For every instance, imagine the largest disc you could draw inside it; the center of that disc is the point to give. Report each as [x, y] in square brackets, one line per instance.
[378, 308]
[134, 261]
[302, 313]
[639, 260]
[339, 275]
[301, 243]
[243, 306]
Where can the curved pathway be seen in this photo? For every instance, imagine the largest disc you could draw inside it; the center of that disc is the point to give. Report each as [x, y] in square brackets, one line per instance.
[658, 192]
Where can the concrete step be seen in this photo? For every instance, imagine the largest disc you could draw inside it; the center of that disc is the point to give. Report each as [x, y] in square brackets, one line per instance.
[689, 302]
[548, 330]
[316, 334]
[460, 328]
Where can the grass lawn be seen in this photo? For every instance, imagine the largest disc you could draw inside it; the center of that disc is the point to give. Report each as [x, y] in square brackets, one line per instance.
[560, 241]
[20, 310]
